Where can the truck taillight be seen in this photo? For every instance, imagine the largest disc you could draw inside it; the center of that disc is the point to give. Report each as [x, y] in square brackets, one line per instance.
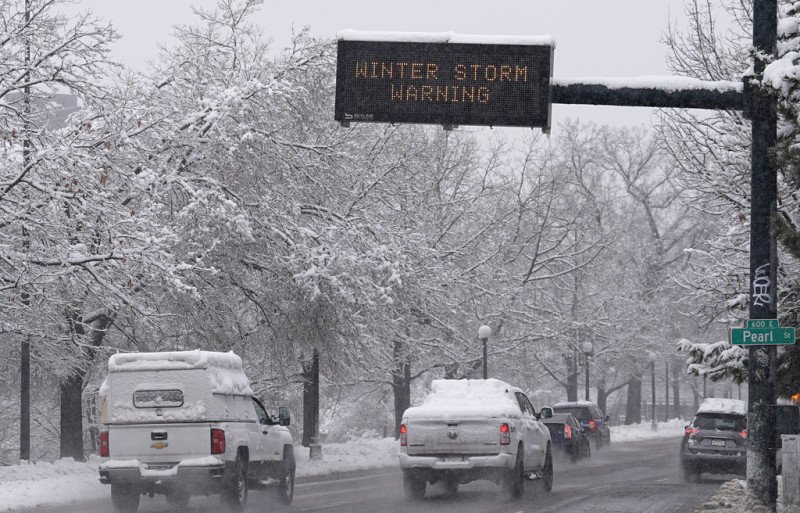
[691, 430]
[743, 434]
[592, 425]
[217, 441]
[403, 435]
[505, 434]
[104, 452]
[567, 432]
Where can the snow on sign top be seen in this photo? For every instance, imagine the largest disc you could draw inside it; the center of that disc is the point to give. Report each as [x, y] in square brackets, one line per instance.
[664, 83]
[720, 405]
[467, 398]
[444, 37]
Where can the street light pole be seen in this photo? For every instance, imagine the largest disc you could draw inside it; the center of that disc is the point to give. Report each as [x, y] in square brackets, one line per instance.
[587, 348]
[484, 332]
[653, 424]
[666, 387]
[587, 376]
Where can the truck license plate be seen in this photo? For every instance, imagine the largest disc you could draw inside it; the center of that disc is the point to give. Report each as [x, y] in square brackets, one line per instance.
[454, 459]
[718, 443]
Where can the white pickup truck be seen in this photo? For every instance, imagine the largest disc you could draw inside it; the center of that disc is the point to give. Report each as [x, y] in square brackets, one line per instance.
[474, 429]
[184, 423]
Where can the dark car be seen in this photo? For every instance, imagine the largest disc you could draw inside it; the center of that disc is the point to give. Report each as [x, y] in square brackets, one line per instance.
[716, 439]
[592, 420]
[567, 436]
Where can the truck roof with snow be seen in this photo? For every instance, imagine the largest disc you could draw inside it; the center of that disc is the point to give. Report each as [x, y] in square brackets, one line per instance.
[179, 386]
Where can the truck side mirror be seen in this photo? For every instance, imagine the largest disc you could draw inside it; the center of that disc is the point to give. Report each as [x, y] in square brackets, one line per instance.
[284, 419]
[547, 412]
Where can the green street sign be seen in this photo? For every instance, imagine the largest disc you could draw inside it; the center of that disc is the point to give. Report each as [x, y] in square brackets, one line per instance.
[763, 323]
[762, 336]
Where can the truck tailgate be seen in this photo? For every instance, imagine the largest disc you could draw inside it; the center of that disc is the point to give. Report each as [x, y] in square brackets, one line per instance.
[453, 436]
[159, 443]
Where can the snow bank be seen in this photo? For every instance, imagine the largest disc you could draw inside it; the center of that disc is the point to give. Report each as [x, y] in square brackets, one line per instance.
[467, 399]
[720, 405]
[644, 431]
[358, 454]
[39, 484]
[732, 497]
[443, 37]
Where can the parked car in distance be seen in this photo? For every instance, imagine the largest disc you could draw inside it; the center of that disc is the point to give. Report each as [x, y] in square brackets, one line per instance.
[592, 420]
[467, 430]
[567, 436]
[716, 439]
[186, 423]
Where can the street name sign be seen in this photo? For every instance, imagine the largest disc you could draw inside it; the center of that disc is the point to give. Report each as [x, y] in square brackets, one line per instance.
[444, 79]
[762, 332]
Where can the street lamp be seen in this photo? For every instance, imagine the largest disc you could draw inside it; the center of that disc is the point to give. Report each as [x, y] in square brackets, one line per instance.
[484, 332]
[652, 357]
[587, 348]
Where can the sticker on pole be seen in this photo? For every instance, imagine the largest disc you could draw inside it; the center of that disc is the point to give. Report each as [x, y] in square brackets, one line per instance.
[762, 332]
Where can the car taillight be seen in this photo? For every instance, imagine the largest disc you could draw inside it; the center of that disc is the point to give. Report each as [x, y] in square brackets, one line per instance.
[691, 430]
[743, 433]
[567, 431]
[104, 452]
[403, 435]
[505, 434]
[217, 441]
[592, 425]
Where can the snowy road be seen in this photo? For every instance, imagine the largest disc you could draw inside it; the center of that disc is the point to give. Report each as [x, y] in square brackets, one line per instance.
[640, 477]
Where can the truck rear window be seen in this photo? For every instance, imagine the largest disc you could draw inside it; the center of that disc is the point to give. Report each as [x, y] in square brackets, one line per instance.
[158, 398]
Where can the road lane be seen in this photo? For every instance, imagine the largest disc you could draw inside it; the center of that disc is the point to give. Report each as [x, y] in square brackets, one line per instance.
[636, 477]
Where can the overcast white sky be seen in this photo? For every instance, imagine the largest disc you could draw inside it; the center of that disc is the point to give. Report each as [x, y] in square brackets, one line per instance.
[617, 38]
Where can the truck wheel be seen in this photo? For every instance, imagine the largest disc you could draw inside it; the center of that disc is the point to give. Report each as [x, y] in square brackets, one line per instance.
[598, 443]
[125, 498]
[178, 499]
[514, 480]
[547, 471]
[414, 485]
[234, 491]
[451, 486]
[286, 478]
[587, 453]
[690, 475]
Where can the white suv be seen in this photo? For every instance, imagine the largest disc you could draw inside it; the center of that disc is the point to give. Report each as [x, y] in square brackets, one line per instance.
[185, 423]
[474, 429]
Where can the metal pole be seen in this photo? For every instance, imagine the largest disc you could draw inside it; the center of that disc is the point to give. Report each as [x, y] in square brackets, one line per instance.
[653, 391]
[666, 387]
[25, 402]
[25, 356]
[587, 375]
[763, 266]
[485, 359]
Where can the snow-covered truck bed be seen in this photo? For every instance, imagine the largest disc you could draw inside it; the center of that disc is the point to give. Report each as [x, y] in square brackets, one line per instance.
[186, 422]
[473, 429]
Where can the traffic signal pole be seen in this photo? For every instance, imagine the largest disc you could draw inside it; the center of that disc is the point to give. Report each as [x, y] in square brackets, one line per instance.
[761, 479]
[757, 105]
